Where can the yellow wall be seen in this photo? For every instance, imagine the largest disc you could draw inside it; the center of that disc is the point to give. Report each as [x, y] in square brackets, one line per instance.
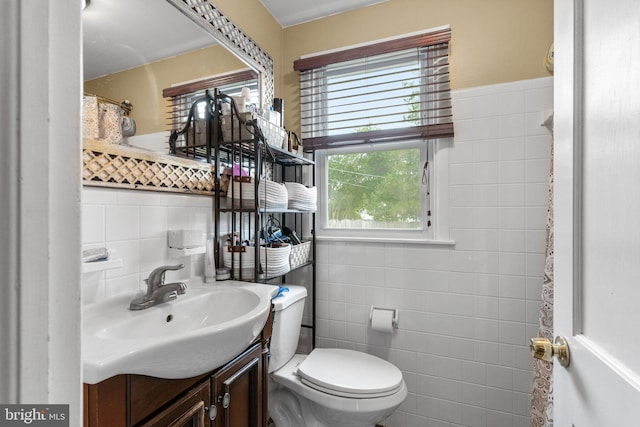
[256, 21]
[143, 85]
[493, 41]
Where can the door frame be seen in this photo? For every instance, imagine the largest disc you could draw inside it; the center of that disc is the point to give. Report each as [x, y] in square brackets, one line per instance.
[40, 184]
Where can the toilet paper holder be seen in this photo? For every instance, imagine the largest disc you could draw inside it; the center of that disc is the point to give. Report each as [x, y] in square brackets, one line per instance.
[394, 320]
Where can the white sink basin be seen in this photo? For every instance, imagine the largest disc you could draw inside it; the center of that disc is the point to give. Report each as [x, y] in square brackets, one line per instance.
[198, 332]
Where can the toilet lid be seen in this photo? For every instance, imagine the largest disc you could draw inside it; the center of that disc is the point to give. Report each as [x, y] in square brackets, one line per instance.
[349, 373]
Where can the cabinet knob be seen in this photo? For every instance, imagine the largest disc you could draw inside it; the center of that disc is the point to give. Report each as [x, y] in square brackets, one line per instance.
[213, 412]
[226, 399]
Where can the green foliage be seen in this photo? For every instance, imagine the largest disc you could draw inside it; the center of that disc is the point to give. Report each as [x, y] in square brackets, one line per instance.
[413, 116]
[379, 185]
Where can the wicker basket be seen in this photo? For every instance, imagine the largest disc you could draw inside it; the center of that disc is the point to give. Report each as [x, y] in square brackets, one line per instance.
[299, 254]
[235, 130]
[274, 134]
[274, 260]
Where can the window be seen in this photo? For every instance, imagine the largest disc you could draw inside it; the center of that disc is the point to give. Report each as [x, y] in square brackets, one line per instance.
[376, 118]
[375, 190]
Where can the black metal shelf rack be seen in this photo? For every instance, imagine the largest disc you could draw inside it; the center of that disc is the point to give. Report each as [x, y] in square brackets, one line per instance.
[233, 157]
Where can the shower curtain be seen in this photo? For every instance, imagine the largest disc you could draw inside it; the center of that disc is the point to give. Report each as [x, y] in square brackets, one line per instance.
[542, 388]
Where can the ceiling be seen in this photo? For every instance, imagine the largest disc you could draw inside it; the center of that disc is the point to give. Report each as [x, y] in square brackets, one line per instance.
[292, 12]
[122, 34]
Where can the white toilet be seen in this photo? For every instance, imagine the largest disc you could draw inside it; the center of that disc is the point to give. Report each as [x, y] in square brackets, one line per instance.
[328, 387]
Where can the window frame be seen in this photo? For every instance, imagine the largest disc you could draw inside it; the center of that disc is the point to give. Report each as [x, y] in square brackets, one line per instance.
[438, 137]
[437, 233]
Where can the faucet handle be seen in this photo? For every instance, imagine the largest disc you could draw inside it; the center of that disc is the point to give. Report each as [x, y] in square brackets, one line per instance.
[156, 277]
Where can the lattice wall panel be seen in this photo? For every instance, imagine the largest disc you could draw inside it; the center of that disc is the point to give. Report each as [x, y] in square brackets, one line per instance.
[109, 165]
[207, 16]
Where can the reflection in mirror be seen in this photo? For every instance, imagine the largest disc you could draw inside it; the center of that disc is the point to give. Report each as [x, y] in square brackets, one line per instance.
[135, 50]
[212, 20]
[188, 97]
[120, 34]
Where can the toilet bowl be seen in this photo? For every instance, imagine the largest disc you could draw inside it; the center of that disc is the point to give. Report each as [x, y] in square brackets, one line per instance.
[328, 387]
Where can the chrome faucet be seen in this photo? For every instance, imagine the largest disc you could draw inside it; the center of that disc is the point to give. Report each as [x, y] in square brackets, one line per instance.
[157, 291]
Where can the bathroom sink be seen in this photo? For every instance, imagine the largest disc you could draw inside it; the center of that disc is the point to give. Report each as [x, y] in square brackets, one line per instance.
[196, 333]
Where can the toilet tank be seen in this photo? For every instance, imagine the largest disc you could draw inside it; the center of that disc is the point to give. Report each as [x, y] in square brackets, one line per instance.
[287, 318]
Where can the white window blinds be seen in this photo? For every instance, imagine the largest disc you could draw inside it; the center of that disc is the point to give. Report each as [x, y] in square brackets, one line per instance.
[390, 91]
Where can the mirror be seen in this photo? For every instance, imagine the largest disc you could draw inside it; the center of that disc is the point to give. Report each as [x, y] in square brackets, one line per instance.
[134, 50]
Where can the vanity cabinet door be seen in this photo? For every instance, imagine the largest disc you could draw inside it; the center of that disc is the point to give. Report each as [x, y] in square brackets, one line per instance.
[190, 411]
[147, 396]
[238, 391]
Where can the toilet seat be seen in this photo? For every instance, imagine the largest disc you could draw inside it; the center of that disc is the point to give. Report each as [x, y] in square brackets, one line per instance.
[349, 373]
[327, 403]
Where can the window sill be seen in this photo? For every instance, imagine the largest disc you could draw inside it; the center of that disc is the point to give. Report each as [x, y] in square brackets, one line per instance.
[398, 240]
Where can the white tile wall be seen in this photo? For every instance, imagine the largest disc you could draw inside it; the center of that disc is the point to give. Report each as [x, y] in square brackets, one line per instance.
[466, 311]
[134, 224]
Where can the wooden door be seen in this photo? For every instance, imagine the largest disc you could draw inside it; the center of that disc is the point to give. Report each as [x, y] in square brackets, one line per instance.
[189, 411]
[237, 391]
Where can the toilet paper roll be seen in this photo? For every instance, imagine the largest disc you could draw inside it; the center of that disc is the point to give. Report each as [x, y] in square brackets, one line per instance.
[382, 320]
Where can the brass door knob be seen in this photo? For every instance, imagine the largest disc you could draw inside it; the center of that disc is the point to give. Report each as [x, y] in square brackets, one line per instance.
[543, 349]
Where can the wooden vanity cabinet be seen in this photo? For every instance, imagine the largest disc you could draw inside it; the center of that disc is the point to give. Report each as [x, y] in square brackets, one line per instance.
[240, 389]
[237, 391]
[234, 395]
[190, 410]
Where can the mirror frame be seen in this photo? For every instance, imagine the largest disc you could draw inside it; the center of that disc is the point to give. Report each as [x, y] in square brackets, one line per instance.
[223, 30]
[100, 172]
